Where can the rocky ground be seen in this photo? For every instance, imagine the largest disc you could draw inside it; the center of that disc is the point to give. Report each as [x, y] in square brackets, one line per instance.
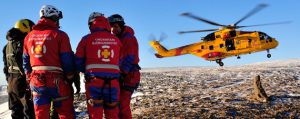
[211, 92]
[216, 92]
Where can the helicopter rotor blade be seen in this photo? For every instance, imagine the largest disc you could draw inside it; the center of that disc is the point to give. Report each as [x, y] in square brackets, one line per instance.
[182, 32]
[252, 12]
[267, 24]
[151, 50]
[162, 37]
[201, 19]
[152, 37]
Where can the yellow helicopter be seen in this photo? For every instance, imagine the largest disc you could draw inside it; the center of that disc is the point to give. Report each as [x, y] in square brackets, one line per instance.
[225, 42]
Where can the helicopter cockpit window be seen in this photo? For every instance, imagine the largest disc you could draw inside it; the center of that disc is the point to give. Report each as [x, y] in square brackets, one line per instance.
[263, 36]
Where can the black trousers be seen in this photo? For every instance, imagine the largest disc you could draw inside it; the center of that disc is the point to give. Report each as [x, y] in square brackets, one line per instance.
[19, 97]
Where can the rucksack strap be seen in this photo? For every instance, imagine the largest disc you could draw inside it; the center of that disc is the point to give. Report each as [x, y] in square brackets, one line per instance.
[14, 61]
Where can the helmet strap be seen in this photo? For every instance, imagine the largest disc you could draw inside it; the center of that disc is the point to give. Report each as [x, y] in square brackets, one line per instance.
[57, 23]
[90, 24]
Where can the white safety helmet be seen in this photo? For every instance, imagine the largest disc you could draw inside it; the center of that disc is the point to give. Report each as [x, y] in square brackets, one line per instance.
[93, 16]
[50, 11]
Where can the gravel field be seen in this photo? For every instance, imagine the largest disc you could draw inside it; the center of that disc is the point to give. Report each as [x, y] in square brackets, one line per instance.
[215, 92]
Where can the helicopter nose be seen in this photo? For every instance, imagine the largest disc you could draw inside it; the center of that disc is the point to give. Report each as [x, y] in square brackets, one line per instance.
[276, 43]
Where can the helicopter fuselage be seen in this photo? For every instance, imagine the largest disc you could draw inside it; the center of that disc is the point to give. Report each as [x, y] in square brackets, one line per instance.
[221, 44]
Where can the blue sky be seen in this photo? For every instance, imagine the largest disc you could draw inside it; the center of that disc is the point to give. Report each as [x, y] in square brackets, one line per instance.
[157, 16]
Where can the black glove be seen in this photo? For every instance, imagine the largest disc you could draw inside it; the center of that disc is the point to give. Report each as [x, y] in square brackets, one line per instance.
[122, 78]
[87, 79]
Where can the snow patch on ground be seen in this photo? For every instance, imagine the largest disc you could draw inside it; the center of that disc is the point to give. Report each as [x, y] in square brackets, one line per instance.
[4, 112]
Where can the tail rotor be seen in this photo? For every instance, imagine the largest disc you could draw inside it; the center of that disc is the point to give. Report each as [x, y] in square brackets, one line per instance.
[153, 39]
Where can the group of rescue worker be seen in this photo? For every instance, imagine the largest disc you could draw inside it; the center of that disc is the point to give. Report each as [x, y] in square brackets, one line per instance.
[40, 67]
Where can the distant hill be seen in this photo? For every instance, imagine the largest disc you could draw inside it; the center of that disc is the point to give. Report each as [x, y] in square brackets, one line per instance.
[274, 63]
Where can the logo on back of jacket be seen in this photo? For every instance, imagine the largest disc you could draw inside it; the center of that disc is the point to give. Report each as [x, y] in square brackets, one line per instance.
[105, 52]
[38, 49]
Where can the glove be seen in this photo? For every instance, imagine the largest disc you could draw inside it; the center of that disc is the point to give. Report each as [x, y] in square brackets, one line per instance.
[69, 76]
[73, 78]
[87, 79]
[122, 78]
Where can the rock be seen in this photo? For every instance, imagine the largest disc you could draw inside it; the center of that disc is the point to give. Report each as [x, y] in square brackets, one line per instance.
[258, 91]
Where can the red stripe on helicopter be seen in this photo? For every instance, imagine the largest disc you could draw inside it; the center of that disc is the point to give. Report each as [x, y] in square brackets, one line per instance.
[197, 51]
[178, 51]
[158, 55]
[212, 55]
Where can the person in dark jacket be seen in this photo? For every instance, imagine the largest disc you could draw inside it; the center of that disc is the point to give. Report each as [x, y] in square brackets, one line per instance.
[19, 95]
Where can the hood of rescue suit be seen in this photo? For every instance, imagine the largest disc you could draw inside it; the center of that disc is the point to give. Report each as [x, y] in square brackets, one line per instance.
[100, 23]
[128, 29]
[45, 24]
[15, 34]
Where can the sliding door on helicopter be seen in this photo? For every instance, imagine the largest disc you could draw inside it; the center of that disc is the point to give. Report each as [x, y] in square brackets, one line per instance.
[229, 43]
[230, 40]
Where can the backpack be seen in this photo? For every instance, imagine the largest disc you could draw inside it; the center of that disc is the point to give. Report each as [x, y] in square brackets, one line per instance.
[14, 53]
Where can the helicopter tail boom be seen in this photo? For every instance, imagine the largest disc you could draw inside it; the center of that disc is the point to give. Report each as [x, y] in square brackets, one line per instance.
[161, 50]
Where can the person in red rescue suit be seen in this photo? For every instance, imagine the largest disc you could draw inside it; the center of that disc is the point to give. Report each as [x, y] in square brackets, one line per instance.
[130, 78]
[47, 57]
[97, 55]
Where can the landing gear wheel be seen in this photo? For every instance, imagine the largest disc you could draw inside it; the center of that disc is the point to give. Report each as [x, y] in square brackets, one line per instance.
[269, 55]
[218, 61]
[221, 64]
[238, 57]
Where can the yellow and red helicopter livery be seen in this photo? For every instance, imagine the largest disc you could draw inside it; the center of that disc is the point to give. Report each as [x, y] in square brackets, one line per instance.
[225, 42]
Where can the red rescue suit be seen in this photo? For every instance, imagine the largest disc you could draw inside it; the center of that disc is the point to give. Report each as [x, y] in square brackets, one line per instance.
[129, 67]
[97, 55]
[47, 56]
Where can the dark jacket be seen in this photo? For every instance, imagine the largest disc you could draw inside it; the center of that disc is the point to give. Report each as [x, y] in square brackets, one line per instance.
[16, 37]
